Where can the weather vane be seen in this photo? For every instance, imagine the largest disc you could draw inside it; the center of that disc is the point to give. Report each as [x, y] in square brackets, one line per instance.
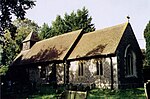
[128, 17]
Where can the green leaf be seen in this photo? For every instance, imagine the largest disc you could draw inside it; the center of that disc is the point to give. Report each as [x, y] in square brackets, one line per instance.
[3, 70]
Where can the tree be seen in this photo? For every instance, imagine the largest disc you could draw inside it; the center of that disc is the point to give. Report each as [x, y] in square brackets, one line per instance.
[147, 38]
[13, 46]
[24, 27]
[79, 20]
[74, 21]
[9, 49]
[45, 31]
[9, 7]
[59, 26]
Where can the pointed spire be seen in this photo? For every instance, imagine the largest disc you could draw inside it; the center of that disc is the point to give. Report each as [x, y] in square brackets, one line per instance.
[30, 40]
[31, 37]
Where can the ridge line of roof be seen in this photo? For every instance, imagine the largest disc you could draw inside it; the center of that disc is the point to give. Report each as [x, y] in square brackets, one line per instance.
[106, 28]
[58, 36]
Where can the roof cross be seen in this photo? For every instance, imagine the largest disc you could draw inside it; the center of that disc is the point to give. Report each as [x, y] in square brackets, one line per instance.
[128, 17]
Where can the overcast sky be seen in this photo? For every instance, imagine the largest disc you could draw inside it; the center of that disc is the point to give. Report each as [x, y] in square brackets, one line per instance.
[105, 13]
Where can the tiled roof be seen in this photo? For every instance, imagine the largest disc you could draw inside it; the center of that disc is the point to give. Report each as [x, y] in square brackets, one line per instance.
[99, 42]
[54, 48]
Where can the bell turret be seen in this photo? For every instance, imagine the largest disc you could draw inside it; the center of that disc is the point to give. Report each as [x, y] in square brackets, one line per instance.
[30, 40]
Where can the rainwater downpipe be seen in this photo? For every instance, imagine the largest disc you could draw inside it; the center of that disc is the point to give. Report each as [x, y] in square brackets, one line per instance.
[111, 69]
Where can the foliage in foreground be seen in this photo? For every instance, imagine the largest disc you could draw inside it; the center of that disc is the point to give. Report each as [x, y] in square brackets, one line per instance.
[48, 92]
[137, 93]
[117, 94]
[13, 7]
[3, 70]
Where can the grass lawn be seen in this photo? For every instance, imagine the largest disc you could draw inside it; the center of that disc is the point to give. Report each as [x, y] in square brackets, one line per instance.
[47, 92]
[138, 93]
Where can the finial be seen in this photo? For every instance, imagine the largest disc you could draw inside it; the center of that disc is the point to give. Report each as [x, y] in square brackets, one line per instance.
[128, 17]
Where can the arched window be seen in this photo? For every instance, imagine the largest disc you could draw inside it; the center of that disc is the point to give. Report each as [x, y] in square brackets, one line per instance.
[130, 62]
[80, 69]
[42, 71]
[99, 68]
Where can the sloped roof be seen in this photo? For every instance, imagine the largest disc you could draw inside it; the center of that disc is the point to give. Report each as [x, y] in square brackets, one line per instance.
[18, 59]
[31, 37]
[99, 42]
[54, 48]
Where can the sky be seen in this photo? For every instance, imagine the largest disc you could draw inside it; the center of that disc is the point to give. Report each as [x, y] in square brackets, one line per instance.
[105, 13]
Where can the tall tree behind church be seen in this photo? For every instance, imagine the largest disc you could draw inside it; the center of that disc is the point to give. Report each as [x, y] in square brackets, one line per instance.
[70, 22]
[7, 9]
[147, 39]
[12, 47]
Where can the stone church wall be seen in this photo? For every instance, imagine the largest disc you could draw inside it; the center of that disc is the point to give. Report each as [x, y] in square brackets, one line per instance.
[89, 73]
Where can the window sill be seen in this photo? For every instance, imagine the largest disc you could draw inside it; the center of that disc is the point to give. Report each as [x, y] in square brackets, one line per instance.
[130, 76]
